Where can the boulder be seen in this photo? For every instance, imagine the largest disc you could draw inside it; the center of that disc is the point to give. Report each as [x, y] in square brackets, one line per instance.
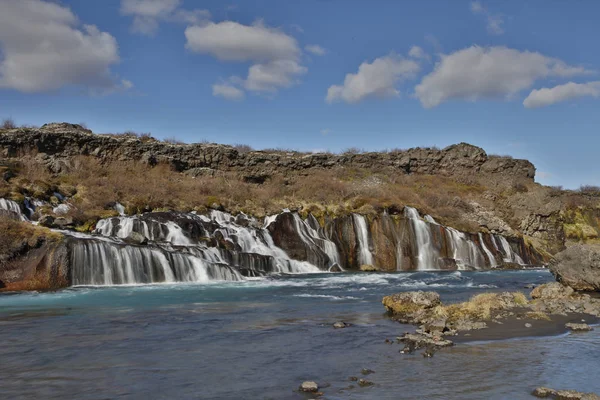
[578, 267]
[368, 268]
[341, 325]
[136, 238]
[410, 307]
[544, 392]
[309, 387]
[551, 291]
[578, 327]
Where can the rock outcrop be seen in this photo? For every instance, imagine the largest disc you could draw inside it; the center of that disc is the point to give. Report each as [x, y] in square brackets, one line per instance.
[57, 144]
[578, 267]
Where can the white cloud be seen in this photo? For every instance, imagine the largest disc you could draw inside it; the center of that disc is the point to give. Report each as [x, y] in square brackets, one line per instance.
[228, 91]
[274, 55]
[548, 96]
[376, 79]
[417, 53]
[44, 47]
[494, 21]
[231, 41]
[273, 75]
[148, 13]
[495, 72]
[315, 49]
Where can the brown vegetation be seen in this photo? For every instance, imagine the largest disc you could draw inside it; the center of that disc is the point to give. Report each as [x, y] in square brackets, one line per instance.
[16, 237]
[92, 186]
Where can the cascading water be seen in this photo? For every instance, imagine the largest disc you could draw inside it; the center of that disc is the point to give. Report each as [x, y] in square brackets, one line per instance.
[427, 254]
[465, 251]
[487, 251]
[13, 207]
[312, 237]
[362, 235]
[509, 254]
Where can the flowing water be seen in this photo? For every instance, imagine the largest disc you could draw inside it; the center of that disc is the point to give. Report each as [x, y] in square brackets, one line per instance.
[260, 338]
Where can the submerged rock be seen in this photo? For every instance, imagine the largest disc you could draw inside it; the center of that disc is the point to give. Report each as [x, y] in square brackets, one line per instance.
[341, 325]
[365, 383]
[578, 327]
[578, 267]
[544, 392]
[417, 341]
[309, 387]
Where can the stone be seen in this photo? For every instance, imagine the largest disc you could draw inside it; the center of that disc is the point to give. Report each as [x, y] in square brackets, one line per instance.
[528, 325]
[417, 341]
[136, 238]
[551, 291]
[543, 392]
[341, 325]
[578, 327]
[309, 387]
[367, 371]
[46, 220]
[578, 267]
[364, 383]
[368, 268]
[410, 306]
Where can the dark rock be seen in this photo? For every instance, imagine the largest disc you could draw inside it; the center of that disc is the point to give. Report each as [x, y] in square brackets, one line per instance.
[421, 340]
[367, 371]
[335, 268]
[341, 325]
[46, 220]
[365, 383]
[578, 267]
[354, 378]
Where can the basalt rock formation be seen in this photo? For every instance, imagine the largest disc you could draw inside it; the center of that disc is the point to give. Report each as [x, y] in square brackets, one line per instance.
[58, 143]
[578, 267]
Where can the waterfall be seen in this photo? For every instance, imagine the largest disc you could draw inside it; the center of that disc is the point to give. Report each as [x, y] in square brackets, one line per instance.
[465, 251]
[487, 251]
[13, 207]
[427, 254]
[103, 263]
[312, 237]
[509, 254]
[155, 231]
[362, 235]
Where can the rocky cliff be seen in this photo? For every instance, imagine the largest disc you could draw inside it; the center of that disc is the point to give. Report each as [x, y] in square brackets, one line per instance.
[56, 144]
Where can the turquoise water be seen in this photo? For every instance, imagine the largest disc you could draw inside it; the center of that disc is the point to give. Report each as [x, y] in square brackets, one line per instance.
[260, 339]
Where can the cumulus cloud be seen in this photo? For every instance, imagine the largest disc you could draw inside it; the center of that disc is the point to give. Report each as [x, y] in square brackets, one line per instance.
[417, 53]
[44, 47]
[494, 21]
[315, 49]
[376, 79]
[147, 14]
[568, 91]
[488, 73]
[274, 55]
[232, 41]
[228, 91]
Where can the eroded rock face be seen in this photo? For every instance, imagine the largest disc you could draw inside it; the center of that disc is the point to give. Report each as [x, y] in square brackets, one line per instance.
[578, 267]
[57, 143]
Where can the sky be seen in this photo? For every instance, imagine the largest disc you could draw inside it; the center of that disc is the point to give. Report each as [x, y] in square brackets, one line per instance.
[514, 77]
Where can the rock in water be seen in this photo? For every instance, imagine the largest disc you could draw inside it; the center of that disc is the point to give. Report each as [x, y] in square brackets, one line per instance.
[309, 387]
[578, 267]
[341, 325]
[365, 383]
[368, 268]
[544, 392]
[578, 327]
[136, 238]
[408, 306]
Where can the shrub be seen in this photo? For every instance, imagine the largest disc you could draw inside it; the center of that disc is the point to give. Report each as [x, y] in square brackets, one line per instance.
[8, 123]
[243, 148]
[173, 140]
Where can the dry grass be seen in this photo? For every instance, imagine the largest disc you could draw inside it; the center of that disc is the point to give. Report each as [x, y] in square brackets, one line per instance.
[91, 185]
[482, 306]
[17, 236]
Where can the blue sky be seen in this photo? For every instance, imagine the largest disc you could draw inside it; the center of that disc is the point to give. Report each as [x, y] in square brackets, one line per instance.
[514, 77]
